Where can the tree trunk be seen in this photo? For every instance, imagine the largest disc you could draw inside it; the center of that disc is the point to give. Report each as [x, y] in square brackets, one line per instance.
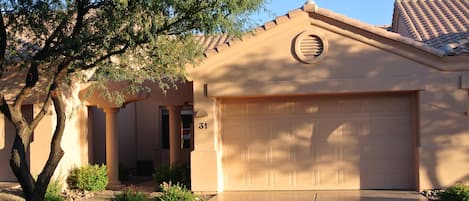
[35, 190]
[19, 163]
[56, 151]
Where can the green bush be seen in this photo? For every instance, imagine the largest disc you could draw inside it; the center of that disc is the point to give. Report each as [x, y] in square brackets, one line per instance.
[89, 178]
[176, 174]
[53, 198]
[130, 196]
[53, 191]
[455, 193]
[176, 193]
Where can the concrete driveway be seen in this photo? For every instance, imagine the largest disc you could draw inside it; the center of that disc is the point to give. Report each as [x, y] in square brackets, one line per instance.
[320, 196]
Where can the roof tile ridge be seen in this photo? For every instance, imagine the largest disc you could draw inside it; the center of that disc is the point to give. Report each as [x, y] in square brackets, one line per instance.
[441, 16]
[260, 29]
[458, 15]
[428, 22]
[434, 18]
[413, 24]
[380, 32]
[408, 22]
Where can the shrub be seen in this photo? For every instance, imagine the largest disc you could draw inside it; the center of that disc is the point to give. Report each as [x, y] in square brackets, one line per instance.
[53, 198]
[89, 178]
[176, 193]
[176, 174]
[53, 191]
[130, 196]
[455, 193]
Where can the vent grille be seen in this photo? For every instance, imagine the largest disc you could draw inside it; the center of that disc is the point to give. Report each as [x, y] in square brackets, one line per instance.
[311, 47]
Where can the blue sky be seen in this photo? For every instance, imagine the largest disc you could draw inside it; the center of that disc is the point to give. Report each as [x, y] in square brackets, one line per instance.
[375, 12]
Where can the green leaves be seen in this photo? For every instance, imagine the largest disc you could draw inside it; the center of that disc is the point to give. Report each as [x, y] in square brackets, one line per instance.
[132, 40]
[90, 178]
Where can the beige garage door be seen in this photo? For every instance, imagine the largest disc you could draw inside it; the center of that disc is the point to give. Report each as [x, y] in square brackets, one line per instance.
[324, 142]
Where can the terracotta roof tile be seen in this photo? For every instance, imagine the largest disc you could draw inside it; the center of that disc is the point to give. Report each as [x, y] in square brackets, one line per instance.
[216, 43]
[213, 41]
[439, 23]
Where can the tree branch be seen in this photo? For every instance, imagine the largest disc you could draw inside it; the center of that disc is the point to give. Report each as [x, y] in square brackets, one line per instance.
[188, 15]
[106, 56]
[95, 5]
[56, 151]
[4, 108]
[31, 79]
[61, 70]
[42, 113]
[57, 32]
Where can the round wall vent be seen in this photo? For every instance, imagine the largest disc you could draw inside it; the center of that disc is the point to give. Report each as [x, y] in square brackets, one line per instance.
[310, 47]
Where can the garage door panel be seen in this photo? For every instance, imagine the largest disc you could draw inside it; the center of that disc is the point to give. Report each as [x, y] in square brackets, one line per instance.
[388, 105]
[305, 178]
[375, 154]
[258, 177]
[234, 179]
[395, 180]
[337, 142]
[283, 178]
[238, 132]
[387, 126]
[306, 108]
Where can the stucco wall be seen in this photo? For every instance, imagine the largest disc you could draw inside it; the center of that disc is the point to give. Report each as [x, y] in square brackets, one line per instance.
[74, 143]
[7, 136]
[356, 62]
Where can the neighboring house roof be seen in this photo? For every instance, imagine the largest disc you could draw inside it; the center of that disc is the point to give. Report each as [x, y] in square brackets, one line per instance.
[442, 24]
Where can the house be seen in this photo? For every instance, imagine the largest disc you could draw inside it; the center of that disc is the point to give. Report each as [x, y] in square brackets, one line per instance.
[311, 100]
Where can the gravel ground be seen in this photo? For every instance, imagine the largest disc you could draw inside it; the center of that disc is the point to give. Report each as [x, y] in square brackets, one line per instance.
[12, 192]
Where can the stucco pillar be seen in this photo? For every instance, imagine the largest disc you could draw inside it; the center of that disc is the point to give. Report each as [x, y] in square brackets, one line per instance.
[112, 146]
[175, 122]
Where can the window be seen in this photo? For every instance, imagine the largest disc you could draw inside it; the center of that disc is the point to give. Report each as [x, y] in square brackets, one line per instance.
[186, 129]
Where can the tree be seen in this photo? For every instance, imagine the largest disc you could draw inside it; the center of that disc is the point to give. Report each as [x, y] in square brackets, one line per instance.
[54, 43]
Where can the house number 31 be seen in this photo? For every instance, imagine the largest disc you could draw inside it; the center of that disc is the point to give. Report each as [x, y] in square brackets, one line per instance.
[203, 125]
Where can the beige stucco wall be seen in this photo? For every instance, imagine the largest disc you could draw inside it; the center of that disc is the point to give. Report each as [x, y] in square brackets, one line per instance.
[74, 143]
[356, 62]
[7, 136]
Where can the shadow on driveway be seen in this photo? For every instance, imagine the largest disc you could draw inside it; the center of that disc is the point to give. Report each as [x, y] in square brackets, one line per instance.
[320, 196]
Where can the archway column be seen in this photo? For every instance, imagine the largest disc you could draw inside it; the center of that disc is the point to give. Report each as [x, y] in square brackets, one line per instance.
[175, 145]
[112, 146]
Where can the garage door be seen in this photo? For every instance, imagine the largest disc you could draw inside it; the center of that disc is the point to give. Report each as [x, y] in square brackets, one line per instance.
[323, 142]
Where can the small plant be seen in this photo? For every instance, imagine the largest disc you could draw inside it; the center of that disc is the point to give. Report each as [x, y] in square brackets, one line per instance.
[455, 193]
[89, 178]
[53, 198]
[176, 193]
[53, 191]
[176, 174]
[130, 196]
